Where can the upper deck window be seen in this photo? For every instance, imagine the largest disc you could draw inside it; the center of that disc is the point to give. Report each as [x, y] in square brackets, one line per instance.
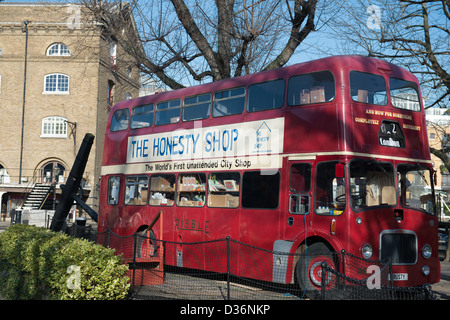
[142, 116]
[368, 88]
[168, 112]
[266, 95]
[197, 107]
[311, 88]
[404, 94]
[229, 102]
[119, 120]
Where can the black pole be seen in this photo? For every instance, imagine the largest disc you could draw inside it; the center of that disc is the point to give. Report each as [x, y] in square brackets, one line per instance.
[228, 267]
[26, 22]
[73, 183]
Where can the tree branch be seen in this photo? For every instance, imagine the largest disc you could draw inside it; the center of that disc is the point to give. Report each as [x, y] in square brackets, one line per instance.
[195, 34]
[302, 10]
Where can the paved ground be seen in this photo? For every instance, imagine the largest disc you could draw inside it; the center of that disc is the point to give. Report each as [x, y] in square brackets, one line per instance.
[441, 289]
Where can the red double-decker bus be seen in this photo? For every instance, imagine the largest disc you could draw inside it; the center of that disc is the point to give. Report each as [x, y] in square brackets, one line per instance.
[325, 155]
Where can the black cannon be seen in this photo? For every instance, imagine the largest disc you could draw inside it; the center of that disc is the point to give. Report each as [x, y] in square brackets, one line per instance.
[72, 187]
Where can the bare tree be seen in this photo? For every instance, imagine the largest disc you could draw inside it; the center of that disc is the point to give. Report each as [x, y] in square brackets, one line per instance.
[411, 33]
[208, 40]
[440, 146]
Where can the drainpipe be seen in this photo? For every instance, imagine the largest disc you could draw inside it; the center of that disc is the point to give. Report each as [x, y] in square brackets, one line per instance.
[26, 22]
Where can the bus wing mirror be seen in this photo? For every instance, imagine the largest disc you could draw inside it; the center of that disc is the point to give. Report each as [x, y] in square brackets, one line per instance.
[339, 170]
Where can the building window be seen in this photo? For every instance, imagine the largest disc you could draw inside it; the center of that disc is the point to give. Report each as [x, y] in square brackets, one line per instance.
[53, 172]
[111, 91]
[56, 83]
[4, 176]
[113, 52]
[54, 127]
[58, 49]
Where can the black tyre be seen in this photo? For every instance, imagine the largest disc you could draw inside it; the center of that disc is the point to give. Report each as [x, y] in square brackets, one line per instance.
[309, 269]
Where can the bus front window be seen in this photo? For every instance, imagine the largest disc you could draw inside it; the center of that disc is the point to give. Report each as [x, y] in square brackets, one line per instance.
[372, 184]
[415, 187]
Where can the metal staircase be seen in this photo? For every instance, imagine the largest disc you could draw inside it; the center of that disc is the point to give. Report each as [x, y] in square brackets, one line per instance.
[38, 196]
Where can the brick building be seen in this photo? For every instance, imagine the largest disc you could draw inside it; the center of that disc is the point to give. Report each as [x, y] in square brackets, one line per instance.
[74, 73]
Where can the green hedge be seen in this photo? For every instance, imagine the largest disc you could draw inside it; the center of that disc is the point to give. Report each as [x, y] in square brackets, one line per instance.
[36, 263]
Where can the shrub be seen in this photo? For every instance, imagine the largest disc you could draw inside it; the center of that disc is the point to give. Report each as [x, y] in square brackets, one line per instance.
[37, 263]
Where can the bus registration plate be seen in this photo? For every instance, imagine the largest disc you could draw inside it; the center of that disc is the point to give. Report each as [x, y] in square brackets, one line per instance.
[399, 276]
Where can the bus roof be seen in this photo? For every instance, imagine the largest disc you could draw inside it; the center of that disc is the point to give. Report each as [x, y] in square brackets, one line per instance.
[332, 63]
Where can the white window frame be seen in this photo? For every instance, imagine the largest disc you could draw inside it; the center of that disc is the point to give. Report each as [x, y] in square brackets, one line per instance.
[59, 76]
[54, 127]
[58, 49]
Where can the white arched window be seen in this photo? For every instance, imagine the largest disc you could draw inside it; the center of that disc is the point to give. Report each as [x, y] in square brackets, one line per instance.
[58, 49]
[56, 83]
[54, 127]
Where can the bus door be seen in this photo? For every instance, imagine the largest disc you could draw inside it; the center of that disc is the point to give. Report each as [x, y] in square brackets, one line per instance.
[328, 203]
[300, 178]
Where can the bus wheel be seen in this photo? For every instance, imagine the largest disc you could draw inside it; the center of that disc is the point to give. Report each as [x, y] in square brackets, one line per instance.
[309, 269]
[146, 244]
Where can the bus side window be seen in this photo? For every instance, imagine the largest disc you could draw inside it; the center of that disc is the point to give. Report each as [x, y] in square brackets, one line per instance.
[223, 189]
[197, 107]
[162, 189]
[311, 88]
[259, 190]
[136, 190]
[142, 116]
[191, 190]
[229, 102]
[113, 190]
[168, 112]
[265, 96]
[119, 120]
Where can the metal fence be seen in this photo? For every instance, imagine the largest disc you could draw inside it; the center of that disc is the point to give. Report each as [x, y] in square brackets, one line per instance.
[154, 275]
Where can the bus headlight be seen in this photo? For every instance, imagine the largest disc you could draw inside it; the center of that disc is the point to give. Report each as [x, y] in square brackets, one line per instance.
[426, 270]
[367, 251]
[426, 251]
